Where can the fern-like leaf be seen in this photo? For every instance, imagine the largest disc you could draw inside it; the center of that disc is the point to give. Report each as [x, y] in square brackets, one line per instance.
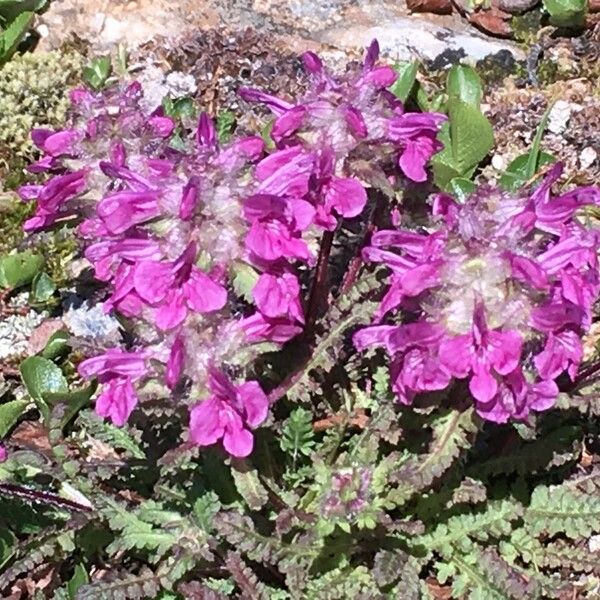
[451, 435]
[557, 509]
[459, 531]
[244, 577]
[486, 576]
[297, 434]
[250, 488]
[137, 532]
[115, 586]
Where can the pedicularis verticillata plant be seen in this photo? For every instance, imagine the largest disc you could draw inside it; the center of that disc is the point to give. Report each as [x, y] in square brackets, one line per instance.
[498, 290]
[200, 246]
[169, 229]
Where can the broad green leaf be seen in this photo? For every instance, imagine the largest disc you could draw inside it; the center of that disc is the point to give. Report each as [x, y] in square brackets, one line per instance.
[176, 142]
[79, 578]
[56, 345]
[444, 169]
[73, 400]
[461, 188]
[42, 377]
[438, 102]
[407, 75]
[179, 108]
[10, 413]
[7, 545]
[98, 72]
[464, 83]
[471, 135]
[517, 172]
[422, 98]
[566, 13]
[10, 9]
[12, 35]
[19, 269]
[42, 288]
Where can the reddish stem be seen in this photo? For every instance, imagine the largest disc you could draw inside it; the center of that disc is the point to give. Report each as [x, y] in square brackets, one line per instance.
[282, 389]
[583, 375]
[356, 262]
[319, 284]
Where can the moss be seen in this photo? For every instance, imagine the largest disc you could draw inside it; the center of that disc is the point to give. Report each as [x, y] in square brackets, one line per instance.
[12, 214]
[58, 247]
[525, 27]
[33, 93]
[495, 68]
[547, 72]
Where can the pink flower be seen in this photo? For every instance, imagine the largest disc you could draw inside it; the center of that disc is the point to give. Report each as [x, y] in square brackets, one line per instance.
[123, 210]
[53, 198]
[116, 370]
[3, 453]
[483, 353]
[114, 363]
[343, 196]
[505, 282]
[259, 328]
[173, 288]
[228, 415]
[417, 134]
[117, 400]
[278, 296]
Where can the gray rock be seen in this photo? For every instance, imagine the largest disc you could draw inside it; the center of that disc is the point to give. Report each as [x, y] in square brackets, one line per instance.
[408, 37]
[515, 7]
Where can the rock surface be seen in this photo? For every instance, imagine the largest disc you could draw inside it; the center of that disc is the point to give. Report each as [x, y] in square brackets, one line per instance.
[299, 24]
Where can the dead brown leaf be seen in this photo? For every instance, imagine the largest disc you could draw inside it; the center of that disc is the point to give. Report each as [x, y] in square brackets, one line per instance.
[439, 7]
[359, 420]
[439, 592]
[32, 436]
[41, 334]
[492, 21]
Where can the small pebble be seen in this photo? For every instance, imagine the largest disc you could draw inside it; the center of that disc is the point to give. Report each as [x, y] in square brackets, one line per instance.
[43, 30]
[179, 84]
[587, 157]
[498, 162]
[559, 117]
[92, 323]
[15, 331]
[594, 543]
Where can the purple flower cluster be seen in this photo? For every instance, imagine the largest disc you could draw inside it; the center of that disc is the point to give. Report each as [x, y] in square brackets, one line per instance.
[498, 291]
[171, 229]
[350, 117]
[348, 494]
